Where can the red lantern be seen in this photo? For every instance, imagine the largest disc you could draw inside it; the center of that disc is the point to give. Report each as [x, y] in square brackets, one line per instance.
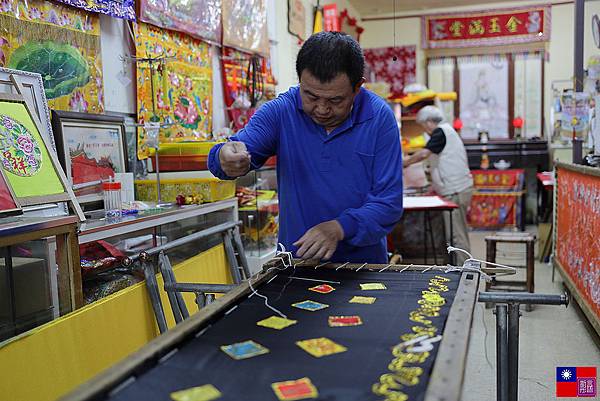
[518, 122]
[458, 124]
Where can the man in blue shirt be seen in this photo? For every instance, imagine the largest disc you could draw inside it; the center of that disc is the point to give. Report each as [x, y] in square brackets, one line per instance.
[339, 162]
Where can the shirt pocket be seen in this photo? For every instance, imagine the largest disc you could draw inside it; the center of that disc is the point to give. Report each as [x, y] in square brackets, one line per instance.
[364, 164]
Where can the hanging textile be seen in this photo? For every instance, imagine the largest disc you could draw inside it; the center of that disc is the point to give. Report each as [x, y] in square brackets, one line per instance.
[528, 93]
[60, 43]
[440, 78]
[497, 202]
[243, 94]
[115, 8]
[484, 96]
[245, 25]
[174, 74]
[198, 18]
[398, 73]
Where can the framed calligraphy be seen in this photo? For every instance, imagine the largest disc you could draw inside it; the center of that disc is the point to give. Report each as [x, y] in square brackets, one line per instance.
[489, 28]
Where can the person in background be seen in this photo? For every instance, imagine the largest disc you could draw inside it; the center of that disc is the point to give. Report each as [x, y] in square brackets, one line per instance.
[450, 174]
[338, 156]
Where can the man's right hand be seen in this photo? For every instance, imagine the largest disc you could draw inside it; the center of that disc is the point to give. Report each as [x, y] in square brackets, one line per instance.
[234, 159]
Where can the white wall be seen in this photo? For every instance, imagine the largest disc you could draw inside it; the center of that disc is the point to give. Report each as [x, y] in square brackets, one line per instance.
[561, 46]
[287, 46]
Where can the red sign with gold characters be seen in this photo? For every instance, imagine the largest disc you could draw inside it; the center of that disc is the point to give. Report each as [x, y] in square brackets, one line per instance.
[490, 28]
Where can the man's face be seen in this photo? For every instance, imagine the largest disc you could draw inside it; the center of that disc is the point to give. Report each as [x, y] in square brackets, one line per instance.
[330, 103]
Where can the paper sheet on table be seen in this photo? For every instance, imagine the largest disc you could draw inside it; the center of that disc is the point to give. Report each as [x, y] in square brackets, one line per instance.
[422, 201]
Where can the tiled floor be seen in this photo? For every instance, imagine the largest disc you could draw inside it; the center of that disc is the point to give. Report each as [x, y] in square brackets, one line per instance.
[550, 336]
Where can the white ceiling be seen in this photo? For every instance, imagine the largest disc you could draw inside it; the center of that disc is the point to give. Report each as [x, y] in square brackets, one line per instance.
[377, 7]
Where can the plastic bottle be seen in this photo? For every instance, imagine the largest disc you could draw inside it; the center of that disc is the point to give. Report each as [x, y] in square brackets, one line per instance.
[112, 199]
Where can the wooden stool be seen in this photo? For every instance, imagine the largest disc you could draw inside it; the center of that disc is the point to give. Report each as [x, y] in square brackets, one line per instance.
[514, 238]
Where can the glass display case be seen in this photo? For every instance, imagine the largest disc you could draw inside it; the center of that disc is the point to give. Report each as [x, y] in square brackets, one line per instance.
[37, 282]
[259, 212]
[104, 245]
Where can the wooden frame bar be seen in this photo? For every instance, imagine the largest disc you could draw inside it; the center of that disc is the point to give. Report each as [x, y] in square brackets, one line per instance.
[448, 371]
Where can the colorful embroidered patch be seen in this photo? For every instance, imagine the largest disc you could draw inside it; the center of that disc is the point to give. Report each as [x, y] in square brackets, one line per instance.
[276, 322]
[207, 392]
[322, 289]
[244, 350]
[373, 286]
[341, 321]
[310, 305]
[319, 347]
[300, 389]
[362, 300]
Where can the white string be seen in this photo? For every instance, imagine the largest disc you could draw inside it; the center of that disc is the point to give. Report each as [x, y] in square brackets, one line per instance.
[342, 265]
[287, 264]
[426, 270]
[322, 264]
[361, 266]
[385, 268]
[406, 268]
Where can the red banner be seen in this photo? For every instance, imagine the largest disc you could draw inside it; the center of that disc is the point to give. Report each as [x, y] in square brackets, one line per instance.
[331, 19]
[508, 180]
[490, 28]
[578, 233]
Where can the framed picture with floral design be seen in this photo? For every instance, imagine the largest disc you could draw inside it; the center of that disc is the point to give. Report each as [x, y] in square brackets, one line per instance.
[9, 204]
[91, 148]
[32, 171]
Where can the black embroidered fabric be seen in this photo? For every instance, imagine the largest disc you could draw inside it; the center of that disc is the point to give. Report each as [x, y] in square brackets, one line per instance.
[345, 376]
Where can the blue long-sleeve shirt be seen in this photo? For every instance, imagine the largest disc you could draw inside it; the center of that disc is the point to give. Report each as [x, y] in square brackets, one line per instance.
[353, 174]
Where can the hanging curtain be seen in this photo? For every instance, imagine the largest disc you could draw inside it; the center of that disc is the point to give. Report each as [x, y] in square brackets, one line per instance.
[528, 93]
[484, 96]
[440, 78]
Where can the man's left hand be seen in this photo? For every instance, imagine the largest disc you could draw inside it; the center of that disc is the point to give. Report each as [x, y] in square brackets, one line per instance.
[320, 242]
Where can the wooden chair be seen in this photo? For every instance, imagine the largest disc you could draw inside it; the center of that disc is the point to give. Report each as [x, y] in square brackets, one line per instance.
[515, 238]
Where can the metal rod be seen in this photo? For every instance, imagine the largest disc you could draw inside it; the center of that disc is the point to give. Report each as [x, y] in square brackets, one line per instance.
[578, 71]
[193, 287]
[524, 298]
[513, 352]
[182, 241]
[501, 353]
[154, 296]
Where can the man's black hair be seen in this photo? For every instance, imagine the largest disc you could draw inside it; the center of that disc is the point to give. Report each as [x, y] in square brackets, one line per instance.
[327, 54]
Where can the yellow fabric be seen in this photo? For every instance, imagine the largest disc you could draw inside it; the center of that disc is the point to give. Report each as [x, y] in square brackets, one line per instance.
[318, 24]
[32, 25]
[176, 91]
[52, 359]
[45, 181]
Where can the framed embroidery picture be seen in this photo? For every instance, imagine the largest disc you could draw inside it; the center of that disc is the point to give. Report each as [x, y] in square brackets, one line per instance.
[32, 171]
[91, 149]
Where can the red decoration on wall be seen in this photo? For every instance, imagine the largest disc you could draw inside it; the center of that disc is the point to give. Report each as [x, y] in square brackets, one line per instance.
[350, 26]
[397, 73]
[489, 28]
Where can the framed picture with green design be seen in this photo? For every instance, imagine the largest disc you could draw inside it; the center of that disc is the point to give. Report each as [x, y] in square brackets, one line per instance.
[31, 170]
